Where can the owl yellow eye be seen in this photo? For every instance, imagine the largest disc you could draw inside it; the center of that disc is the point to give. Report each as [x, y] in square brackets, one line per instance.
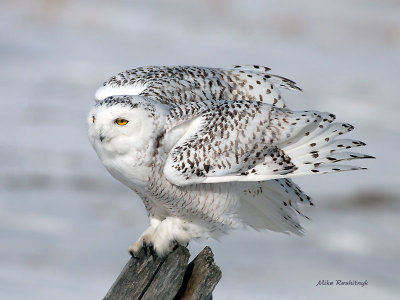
[93, 119]
[121, 122]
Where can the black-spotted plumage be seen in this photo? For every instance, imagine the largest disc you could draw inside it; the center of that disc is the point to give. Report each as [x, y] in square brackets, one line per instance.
[181, 84]
[218, 149]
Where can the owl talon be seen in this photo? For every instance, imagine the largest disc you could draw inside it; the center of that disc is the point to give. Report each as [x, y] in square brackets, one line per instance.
[148, 249]
[144, 246]
[133, 254]
[152, 250]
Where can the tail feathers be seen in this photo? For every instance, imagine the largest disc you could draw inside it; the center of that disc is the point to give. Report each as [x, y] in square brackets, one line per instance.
[255, 215]
[287, 188]
[274, 205]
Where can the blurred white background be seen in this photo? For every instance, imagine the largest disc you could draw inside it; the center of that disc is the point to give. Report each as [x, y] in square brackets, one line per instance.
[65, 223]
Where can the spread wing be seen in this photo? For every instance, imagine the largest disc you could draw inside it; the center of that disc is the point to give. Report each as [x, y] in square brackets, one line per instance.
[252, 141]
[181, 84]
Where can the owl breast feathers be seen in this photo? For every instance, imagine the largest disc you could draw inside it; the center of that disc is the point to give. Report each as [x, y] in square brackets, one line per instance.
[212, 149]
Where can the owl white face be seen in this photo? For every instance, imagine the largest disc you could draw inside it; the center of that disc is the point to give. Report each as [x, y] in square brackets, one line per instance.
[116, 128]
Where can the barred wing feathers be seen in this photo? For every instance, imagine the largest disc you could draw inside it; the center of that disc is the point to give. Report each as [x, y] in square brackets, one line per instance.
[252, 141]
[181, 84]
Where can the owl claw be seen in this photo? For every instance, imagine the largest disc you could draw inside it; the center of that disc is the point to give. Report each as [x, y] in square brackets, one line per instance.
[133, 254]
[144, 241]
[152, 250]
[147, 247]
[162, 238]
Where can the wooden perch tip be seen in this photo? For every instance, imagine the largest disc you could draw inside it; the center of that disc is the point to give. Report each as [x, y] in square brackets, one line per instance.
[151, 277]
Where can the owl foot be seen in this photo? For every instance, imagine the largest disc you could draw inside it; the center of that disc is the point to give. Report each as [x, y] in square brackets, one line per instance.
[148, 249]
[162, 238]
[173, 231]
[145, 240]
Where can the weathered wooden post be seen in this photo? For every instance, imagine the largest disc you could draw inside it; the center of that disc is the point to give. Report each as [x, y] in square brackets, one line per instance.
[151, 277]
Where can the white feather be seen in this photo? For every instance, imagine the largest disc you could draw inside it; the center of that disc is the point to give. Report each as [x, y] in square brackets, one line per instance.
[108, 90]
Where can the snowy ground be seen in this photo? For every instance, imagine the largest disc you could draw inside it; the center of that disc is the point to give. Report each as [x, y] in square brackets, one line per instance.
[65, 224]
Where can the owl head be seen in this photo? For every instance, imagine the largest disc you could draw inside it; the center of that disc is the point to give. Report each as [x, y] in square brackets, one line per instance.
[120, 124]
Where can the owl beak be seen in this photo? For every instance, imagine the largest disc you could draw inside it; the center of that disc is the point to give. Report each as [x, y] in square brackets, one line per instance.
[102, 138]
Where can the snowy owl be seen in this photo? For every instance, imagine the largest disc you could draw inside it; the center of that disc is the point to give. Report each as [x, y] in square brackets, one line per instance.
[212, 149]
